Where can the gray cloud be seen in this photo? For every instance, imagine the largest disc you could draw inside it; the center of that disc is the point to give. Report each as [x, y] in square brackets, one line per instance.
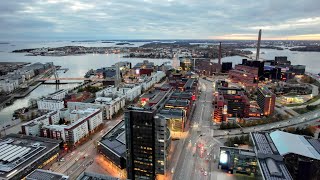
[133, 19]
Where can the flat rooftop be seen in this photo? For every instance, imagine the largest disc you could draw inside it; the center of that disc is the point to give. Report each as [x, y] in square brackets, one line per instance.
[176, 102]
[265, 91]
[269, 159]
[301, 146]
[18, 152]
[181, 95]
[189, 83]
[40, 174]
[115, 140]
[95, 176]
[172, 113]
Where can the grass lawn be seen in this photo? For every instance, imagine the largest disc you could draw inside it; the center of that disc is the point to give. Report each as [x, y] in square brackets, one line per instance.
[316, 98]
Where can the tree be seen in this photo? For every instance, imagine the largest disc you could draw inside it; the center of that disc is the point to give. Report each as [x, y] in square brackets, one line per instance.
[242, 139]
[22, 117]
[228, 125]
[222, 125]
[311, 107]
[33, 115]
[236, 140]
[234, 125]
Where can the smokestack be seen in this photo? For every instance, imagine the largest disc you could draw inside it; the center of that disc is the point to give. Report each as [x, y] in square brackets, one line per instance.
[117, 75]
[220, 53]
[258, 46]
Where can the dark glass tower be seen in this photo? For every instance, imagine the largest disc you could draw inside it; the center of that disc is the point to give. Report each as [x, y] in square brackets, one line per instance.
[140, 142]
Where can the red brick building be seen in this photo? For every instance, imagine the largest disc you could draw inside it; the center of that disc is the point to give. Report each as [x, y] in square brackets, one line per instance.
[230, 102]
[246, 75]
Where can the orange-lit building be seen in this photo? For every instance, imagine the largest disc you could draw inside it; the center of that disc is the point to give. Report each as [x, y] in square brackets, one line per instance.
[230, 102]
[266, 100]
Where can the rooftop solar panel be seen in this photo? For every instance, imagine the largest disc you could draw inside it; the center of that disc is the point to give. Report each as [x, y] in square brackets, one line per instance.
[4, 147]
[17, 151]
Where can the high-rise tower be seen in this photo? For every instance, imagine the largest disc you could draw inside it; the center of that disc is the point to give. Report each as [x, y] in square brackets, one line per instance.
[258, 46]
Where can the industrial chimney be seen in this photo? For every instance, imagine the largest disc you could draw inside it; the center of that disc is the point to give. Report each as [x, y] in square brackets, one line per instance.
[220, 54]
[258, 46]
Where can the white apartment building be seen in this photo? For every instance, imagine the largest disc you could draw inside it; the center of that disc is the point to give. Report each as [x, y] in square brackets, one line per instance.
[148, 81]
[158, 76]
[82, 106]
[112, 105]
[50, 104]
[9, 85]
[131, 92]
[33, 127]
[81, 124]
[28, 73]
[59, 95]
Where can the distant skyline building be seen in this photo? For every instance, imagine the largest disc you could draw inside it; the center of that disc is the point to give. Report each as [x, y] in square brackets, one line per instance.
[258, 46]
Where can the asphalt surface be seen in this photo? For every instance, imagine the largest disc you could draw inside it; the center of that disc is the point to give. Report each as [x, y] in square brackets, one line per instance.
[78, 160]
[199, 148]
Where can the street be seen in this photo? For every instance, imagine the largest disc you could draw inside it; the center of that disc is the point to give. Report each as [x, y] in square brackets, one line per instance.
[83, 156]
[199, 148]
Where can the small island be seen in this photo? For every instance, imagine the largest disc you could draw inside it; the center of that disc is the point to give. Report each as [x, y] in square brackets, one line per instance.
[107, 42]
[307, 49]
[124, 43]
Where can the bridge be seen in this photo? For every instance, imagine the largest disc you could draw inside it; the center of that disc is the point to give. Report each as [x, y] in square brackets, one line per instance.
[73, 79]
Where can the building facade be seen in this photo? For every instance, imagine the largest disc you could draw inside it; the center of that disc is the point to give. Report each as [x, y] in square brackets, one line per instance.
[50, 104]
[33, 127]
[80, 123]
[245, 75]
[230, 102]
[266, 100]
[147, 139]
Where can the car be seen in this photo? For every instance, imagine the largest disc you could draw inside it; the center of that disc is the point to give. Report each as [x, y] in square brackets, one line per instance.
[172, 170]
[205, 173]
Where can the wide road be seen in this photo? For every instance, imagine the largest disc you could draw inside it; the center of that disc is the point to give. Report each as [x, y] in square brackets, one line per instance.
[199, 147]
[307, 118]
[80, 158]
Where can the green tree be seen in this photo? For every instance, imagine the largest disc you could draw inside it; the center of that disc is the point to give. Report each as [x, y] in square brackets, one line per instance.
[311, 107]
[242, 139]
[22, 117]
[228, 126]
[33, 115]
[236, 140]
[222, 125]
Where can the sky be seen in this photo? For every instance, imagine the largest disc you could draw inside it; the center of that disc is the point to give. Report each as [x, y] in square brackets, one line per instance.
[159, 19]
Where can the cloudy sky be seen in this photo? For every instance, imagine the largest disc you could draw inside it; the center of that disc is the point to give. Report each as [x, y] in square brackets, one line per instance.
[159, 19]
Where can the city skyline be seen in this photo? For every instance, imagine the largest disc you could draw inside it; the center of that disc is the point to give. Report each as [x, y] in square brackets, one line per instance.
[155, 19]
